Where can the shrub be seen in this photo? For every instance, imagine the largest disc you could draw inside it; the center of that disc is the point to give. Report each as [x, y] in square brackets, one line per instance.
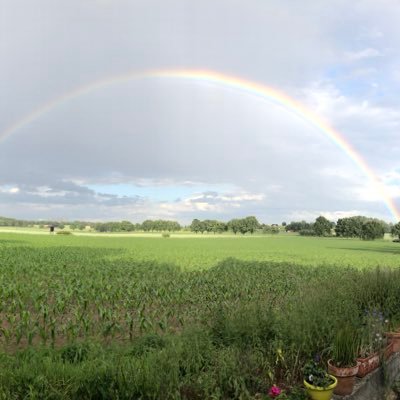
[64, 233]
[307, 232]
[75, 353]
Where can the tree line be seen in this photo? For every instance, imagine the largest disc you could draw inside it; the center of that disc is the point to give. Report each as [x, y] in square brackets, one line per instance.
[350, 227]
[149, 225]
[245, 225]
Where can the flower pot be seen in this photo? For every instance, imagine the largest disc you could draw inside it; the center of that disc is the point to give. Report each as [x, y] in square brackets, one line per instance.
[394, 338]
[346, 378]
[388, 351]
[320, 393]
[367, 364]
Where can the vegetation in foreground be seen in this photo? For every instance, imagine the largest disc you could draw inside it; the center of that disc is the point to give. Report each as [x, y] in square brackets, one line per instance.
[88, 322]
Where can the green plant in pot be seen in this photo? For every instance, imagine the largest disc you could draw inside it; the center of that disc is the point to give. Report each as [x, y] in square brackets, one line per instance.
[394, 334]
[318, 382]
[372, 342]
[343, 364]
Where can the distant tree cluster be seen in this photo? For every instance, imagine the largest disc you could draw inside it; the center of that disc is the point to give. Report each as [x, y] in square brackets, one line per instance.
[298, 226]
[321, 227]
[78, 225]
[123, 226]
[236, 225]
[352, 227]
[244, 225]
[270, 229]
[147, 226]
[13, 222]
[160, 225]
[361, 227]
[208, 225]
[112, 226]
[25, 223]
[372, 229]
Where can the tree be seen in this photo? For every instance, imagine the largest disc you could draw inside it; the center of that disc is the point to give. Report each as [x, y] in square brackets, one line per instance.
[127, 226]
[221, 227]
[196, 226]
[270, 229]
[244, 225]
[147, 225]
[174, 226]
[396, 230]
[322, 226]
[298, 226]
[372, 229]
[350, 226]
[234, 225]
[209, 225]
[250, 224]
[161, 225]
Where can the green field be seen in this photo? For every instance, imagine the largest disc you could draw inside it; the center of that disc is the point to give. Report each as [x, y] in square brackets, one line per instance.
[204, 251]
[129, 317]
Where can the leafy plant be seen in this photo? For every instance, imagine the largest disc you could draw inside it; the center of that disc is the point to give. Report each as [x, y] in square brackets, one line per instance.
[372, 332]
[315, 375]
[345, 347]
[75, 353]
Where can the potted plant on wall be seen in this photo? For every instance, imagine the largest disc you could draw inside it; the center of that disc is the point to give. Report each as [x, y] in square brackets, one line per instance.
[372, 342]
[394, 336]
[319, 384]
[343, 364]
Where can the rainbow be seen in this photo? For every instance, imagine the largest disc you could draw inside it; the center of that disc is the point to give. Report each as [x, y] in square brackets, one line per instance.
[236, 83]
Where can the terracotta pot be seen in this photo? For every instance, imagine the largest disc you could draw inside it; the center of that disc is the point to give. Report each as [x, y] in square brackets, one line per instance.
[394, 338]
[388, 351]
[346, 378]
[367, 364]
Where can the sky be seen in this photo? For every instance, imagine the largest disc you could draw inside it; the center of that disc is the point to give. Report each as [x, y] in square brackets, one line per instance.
[173, 148]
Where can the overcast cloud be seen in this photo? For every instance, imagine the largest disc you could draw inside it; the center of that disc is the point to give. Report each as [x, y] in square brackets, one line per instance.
[214, 152]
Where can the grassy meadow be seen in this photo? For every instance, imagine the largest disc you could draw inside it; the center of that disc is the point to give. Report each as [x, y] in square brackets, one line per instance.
[224, 317]
[191, 251]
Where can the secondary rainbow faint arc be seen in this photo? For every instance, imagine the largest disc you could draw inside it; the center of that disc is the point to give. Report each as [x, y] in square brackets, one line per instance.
[242, 85]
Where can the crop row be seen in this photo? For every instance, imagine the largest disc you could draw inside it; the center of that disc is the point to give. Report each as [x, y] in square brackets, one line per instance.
[251, 323]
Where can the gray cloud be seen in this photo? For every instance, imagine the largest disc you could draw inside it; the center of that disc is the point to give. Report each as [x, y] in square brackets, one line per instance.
[168, 131]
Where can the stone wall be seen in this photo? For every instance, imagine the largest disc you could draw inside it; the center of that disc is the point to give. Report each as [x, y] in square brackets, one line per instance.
[376, 385]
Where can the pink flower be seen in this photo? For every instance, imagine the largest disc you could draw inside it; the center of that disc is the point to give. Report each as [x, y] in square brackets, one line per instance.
[274, 391]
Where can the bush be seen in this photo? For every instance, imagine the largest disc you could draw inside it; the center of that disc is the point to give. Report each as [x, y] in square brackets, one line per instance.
[64, 233]
[307, 232]
[75, 353]
[165, 235]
